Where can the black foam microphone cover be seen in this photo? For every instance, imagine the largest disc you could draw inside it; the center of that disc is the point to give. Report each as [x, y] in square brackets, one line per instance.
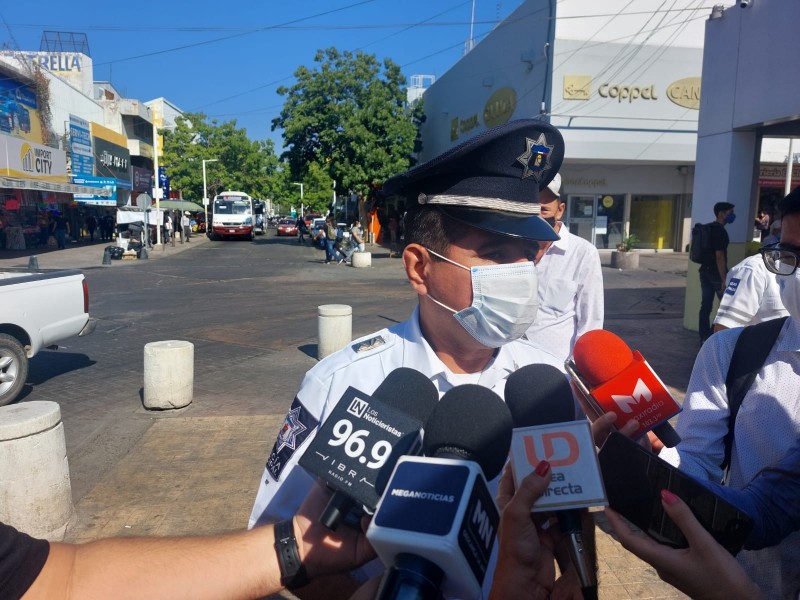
[473, 423]
[539, 395]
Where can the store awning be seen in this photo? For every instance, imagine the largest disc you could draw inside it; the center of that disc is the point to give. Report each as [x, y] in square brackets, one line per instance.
[21, 183]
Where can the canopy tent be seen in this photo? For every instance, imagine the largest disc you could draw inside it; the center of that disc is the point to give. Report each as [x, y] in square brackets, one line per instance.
[133, 214]
[181, 205]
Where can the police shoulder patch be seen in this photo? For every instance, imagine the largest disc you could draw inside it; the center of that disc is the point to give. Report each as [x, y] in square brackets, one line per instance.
[732, 286]
[367, 345]
[297, 426]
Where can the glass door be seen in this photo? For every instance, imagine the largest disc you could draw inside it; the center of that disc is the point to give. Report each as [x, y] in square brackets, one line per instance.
[581, 216]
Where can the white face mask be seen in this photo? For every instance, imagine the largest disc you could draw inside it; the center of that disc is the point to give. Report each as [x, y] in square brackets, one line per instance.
[789, 286]
[504, 302]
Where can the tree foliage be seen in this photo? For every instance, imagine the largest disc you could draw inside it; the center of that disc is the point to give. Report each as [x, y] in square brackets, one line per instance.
[348, 116]
[244, 165]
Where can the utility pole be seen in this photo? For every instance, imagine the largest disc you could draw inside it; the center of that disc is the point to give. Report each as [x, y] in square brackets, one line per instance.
[302, 207]
[157, 187]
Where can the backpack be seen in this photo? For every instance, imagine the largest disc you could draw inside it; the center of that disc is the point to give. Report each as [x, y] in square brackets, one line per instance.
[700, 249]
[749, 354]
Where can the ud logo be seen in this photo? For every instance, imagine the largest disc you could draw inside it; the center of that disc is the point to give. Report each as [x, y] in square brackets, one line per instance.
[640, 392]
[358, 407]
[554, 443]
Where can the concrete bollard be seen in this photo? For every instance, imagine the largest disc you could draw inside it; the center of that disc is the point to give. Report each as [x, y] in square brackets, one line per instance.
[361, 259]
[334, 328]
[168, 374]
[33, 263]
[35, 491]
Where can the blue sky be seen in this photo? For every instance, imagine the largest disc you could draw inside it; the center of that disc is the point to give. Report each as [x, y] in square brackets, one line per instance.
[236, 77]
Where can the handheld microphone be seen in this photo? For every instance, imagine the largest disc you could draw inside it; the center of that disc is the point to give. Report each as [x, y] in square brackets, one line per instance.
[435, 525]
[542, 406]
[357, 440]
[615, 379]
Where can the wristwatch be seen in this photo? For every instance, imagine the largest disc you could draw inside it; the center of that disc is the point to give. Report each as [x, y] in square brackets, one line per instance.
[293, 573]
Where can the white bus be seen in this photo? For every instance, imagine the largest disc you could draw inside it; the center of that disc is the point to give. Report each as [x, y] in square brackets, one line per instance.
[232, 216]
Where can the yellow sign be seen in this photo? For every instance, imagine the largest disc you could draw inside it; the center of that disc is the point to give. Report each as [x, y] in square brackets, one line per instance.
[577, 87]
[608, 201]
[685, 92]
[499, 107]
[458, 126]
[628, 92]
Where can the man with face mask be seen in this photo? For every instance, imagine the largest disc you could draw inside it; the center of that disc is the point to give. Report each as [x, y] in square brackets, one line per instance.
[470, 237]
[714, 268]
[768, 421]
[570, 282]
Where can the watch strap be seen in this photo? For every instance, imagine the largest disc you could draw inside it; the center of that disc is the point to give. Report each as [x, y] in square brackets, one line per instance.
[293, 573]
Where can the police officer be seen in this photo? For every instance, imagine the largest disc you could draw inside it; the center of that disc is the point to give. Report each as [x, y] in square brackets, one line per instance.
[470, 232]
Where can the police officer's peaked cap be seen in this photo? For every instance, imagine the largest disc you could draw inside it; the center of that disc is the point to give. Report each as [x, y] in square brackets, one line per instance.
[492, 180]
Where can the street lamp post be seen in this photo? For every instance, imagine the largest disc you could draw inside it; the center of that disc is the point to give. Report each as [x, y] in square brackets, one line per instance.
[205, 193]
[302, 208]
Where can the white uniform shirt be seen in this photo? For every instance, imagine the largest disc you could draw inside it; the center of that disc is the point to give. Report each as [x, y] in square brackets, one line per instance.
[570, 294]
[751, 295]
[767, 426]
[364, 365]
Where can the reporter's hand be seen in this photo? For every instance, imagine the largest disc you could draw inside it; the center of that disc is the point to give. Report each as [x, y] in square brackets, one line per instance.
[524, 564]
[703, 570]
[323, 551]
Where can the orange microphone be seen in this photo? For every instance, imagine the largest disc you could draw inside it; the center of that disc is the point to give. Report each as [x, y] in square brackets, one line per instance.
[613, 378]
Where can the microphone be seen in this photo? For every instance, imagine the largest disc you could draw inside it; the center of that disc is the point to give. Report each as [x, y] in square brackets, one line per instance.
[357, 440]
[615, 379]
[435, 525]
[542, 406]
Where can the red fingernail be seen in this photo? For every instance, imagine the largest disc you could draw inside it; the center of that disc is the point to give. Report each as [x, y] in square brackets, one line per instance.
[542, 468]
[668, 497]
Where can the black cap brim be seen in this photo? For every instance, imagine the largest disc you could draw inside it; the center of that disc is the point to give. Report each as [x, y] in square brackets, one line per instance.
[529, 227]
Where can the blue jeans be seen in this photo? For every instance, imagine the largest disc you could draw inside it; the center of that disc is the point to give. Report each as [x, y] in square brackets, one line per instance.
[710, 285]
[61, 238]
[330, 252]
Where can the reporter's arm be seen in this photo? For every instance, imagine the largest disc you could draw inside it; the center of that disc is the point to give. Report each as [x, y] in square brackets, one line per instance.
[703, 570]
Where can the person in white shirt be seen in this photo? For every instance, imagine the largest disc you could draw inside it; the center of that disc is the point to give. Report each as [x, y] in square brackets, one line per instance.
[751, 296]
[570, 282]
[768, 422]
[470, 242]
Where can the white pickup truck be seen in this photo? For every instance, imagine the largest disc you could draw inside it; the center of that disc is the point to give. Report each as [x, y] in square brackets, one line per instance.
[37, 310]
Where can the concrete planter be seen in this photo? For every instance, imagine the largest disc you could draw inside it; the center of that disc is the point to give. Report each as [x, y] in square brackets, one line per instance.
[624, 260]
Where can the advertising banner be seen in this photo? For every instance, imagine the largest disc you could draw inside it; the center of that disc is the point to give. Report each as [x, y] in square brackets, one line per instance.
[108, 184]
[19, 115]
[21, 158]
[80, 146]
[142, 180]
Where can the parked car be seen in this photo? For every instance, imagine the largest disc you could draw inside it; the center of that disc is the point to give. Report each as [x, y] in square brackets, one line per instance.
[287, 227]
[30, 320]
[310, 218]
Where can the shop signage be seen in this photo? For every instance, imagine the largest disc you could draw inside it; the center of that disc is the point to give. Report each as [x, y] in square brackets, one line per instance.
[73, 67]
[18, 110]
[111, 160]
[685, 92]
[577, 87]
[584, 182]
[142, 179]
[774, 176]
[627, 92]
[106, 198]
[80, 146]
[459, 126]
[21, 158]
[499, 107]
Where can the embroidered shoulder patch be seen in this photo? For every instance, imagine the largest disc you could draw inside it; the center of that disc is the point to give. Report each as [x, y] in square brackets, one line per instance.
[732, 287]
[369, 344]
[297, 426]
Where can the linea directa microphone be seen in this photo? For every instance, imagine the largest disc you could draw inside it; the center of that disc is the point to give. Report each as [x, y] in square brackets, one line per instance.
[358, 437]
[615, 379]
[543, 409]
[436, 523]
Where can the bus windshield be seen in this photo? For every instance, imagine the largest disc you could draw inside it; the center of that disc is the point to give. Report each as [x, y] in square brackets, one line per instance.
[231, 205]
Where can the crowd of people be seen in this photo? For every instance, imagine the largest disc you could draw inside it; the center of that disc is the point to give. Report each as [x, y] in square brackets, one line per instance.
[339, 245]
[500, 284]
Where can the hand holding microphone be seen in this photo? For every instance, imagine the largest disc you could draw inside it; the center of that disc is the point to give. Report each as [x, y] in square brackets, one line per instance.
[612, 378]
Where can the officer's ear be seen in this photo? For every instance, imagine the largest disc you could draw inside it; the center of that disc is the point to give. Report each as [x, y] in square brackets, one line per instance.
[416, 261]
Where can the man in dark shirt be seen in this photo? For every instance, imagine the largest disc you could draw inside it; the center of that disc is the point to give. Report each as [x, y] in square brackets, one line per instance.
[714, 267]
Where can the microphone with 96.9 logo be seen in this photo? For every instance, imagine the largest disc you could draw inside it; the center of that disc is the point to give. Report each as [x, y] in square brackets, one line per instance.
[358, 438]
[612, 378]
[436, 523]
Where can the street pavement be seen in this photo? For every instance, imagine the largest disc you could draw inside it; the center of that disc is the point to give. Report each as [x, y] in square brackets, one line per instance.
[195, 470]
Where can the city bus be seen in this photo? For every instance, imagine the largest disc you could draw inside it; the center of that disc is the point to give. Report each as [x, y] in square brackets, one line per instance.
[232, 216]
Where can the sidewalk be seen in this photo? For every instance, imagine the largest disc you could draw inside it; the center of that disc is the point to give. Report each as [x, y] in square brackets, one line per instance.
[86, 255]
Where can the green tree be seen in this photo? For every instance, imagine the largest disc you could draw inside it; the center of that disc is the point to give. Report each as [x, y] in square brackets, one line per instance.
[244, 165]
[349, 117]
